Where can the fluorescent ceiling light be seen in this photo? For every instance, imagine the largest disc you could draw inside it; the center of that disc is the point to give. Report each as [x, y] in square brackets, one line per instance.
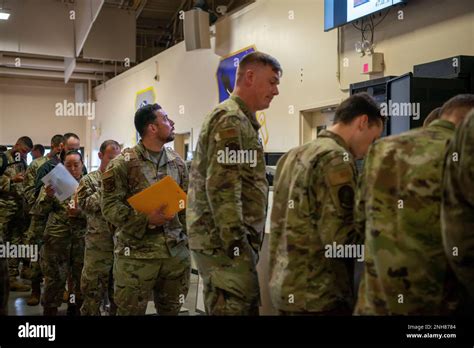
[4, 15]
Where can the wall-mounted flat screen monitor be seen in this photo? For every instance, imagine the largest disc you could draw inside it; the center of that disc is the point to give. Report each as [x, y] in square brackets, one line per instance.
[341, 12]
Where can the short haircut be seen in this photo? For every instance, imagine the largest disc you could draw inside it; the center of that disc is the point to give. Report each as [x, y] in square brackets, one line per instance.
[460, 101]
[26, 141]
[107, 143]
[432, 116]
[70, 135]
[3, 148]
[73, 152]
[57, 139]
[261, 59]
[356, 105]
[40, 148]
[145, 116]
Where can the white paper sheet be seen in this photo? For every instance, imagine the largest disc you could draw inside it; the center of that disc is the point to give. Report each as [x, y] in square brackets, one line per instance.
[62, 181]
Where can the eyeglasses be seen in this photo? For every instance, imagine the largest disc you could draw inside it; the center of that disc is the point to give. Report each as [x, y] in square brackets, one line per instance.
[165, 118]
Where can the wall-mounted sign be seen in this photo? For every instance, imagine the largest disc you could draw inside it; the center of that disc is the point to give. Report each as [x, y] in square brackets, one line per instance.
[226, 72]
[142, 98]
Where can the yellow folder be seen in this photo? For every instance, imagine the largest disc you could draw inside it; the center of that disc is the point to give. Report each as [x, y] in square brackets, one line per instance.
[165, 191]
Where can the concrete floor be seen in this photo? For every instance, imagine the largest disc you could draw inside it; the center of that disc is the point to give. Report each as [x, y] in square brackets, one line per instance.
[17, 303]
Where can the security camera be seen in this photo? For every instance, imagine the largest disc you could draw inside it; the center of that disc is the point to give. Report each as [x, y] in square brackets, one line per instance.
[222, 9]
[367, 47]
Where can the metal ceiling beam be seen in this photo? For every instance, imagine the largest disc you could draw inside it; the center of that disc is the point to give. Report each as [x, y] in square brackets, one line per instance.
[156, 32]
[140, 8]
[171, 22]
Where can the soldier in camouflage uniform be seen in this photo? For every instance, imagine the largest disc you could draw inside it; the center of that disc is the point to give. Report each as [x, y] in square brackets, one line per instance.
[37, 151]
[151, 252]
[71, 142]
[4, 281]
[398, 211]
[313, 208]
[96, 279]
[228, 192]
[12, 204]
[30, 175]
[63, 248]
[30, 196]
[457, 207]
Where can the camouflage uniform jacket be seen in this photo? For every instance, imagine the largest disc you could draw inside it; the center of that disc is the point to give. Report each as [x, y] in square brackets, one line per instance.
[15, 166]
[128, 174]
[30, 178]
[48, 166]
[59, 224]
[227, 199]
[312, 208]
[457, 209]
[99, 234]
[398, 211]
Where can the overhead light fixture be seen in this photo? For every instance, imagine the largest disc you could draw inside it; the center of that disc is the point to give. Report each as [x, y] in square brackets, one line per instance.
[4, 15]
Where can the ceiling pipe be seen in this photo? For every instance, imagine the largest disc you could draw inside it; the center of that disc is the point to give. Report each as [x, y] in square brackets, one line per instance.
[56, 75]
[56, 65]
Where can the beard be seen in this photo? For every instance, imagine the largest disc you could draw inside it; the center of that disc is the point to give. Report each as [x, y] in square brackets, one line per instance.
[170, 138]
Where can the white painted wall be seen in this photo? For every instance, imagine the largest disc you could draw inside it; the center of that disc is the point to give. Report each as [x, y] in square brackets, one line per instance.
[27, 107]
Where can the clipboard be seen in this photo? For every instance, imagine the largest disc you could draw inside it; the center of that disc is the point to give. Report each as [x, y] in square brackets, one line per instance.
[165, 191]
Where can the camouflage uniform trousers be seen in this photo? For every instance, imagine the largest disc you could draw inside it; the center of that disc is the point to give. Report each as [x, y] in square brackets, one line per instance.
[12, 226]
[5, 208]
[168, 278]
[230, 285]
[33, 239]
[60, 257]
[25, 223]
[97, 280]
[7, 211]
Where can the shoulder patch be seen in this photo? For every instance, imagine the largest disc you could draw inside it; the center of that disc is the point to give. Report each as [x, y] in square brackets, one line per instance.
[226, 133]
[338, 176]
[129, 154]
[108, 181]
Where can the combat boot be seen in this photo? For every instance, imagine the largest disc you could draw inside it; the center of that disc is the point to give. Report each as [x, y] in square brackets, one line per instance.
[50, 311]
[16, 285]
[35, 296]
